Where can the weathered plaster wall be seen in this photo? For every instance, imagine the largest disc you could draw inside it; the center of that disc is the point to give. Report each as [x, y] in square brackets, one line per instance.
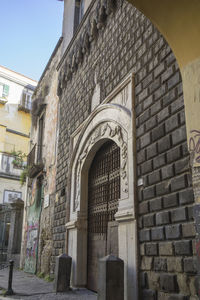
[44, 216]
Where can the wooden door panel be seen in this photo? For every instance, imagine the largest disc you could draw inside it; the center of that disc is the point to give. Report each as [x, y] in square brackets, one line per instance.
[103, 196]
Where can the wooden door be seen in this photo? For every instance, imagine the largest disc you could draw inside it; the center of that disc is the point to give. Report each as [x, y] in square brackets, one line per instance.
[103, 196]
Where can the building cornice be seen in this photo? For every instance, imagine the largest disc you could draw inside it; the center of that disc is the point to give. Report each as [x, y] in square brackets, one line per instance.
[17, 81]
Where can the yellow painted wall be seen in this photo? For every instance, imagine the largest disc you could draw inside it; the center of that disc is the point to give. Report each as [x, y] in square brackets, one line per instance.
[2, 137]
[14, 119]
[11, 118]
[16, 142]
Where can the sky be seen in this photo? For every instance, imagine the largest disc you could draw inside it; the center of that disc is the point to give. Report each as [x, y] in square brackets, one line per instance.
[30, 30]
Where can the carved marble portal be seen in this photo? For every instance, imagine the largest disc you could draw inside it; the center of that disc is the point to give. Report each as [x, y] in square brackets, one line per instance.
[112, 120]
[104, 130]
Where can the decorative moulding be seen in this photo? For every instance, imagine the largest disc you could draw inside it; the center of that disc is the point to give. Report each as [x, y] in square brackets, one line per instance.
[90, 33]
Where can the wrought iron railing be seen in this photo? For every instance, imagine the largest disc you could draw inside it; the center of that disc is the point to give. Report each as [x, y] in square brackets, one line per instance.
[31, 156]
[35, 161]
[35, 155]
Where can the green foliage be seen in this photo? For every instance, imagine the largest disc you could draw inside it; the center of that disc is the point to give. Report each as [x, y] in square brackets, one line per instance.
[18, 158]
[3, 292]
[40, 275]
[23, 176]
[48, 278]
[18, 162]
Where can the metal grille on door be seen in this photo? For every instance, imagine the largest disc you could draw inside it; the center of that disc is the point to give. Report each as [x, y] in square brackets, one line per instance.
[103, 196]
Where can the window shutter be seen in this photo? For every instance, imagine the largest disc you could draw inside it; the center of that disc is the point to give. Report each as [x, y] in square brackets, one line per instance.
[1, 90]
[5, 90]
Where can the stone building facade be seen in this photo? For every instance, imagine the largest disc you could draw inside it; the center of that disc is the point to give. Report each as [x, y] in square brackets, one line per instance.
[119, 84]
[38, 242]
[116, 50]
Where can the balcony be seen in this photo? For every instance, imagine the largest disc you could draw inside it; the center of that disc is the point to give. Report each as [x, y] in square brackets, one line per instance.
[34, 161]
[25, 103]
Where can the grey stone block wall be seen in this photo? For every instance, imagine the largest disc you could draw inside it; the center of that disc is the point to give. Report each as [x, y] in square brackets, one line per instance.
[130, 43]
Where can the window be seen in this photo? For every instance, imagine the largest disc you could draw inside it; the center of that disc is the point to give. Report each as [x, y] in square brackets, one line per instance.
[79, 12]
[26, 100]
[4, 90]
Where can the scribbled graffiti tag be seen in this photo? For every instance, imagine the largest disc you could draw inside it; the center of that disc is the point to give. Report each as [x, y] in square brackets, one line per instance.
[194, 144]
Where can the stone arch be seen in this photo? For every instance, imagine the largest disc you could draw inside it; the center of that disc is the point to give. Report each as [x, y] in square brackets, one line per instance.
[110, 121]
[179, 23]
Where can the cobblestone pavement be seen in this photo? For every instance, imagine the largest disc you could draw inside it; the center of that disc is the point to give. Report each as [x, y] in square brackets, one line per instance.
[30, 287]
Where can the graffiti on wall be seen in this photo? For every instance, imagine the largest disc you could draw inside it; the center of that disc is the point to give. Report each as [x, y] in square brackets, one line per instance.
[32, 229]
[31, 246]
[194, 145]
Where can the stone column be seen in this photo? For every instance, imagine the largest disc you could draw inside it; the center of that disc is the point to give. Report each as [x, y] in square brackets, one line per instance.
[128, 252]
[15, 233]
[77, 248]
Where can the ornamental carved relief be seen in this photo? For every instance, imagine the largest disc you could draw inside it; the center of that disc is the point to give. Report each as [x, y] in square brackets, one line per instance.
[90, 33]
[111, 131]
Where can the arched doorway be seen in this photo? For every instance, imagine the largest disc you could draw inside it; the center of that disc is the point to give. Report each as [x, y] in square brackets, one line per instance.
[110, 122]
[103, 199]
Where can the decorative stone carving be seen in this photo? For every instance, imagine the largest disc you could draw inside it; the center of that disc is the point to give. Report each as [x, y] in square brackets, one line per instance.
[59, 88]
[86, 43]
[74, 64]
[79, 55]
[106, 130]
[68, 74]
[90, 33]
[93, 30]
[101, 16]
[61, 81]
[110, 6]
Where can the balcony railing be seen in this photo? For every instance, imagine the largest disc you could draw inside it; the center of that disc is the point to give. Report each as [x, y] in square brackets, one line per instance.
[34, 161]
[25, 104]
[31, 156]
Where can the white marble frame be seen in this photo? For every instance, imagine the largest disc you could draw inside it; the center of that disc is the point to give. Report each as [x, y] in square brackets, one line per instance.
[110, 121]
